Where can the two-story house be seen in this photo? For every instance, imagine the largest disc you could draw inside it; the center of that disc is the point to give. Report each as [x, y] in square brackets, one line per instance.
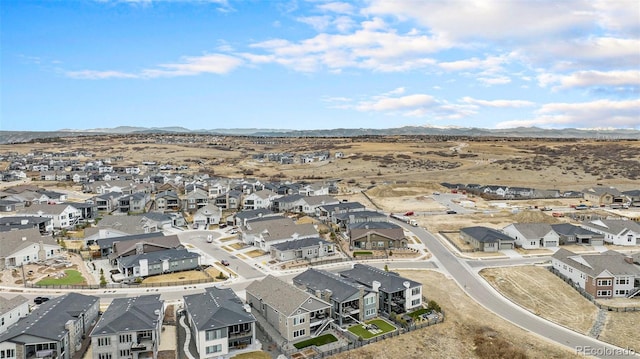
[52, 330]
[350, 301]
[11, 310]
[62, 216]
[167, 201]
[396, 294]
[129, 328]
[195, 200]
[294, 313]
[604, 275]
[258, 200]
[221, 325]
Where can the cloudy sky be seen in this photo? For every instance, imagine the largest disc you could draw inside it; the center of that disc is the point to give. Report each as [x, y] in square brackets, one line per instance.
[205, 64]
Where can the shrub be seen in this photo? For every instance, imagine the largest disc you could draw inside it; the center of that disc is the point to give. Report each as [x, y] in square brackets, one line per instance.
[432, 305]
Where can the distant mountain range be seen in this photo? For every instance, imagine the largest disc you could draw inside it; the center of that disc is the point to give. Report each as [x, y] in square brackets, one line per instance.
[528, 132]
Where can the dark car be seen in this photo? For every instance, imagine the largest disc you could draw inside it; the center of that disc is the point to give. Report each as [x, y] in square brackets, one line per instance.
[451, 212]
[224, 262]
[40, 300]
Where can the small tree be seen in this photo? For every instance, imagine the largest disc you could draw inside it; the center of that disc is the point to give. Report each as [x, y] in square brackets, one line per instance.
[386, 268]
[103, 280]
[432, 305]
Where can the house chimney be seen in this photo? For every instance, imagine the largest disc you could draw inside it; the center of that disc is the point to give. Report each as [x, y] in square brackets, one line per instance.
[628, 259]
[406, 284]
[375, 286]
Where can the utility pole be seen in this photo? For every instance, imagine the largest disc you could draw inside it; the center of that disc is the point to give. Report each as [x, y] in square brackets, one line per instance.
[24, 280]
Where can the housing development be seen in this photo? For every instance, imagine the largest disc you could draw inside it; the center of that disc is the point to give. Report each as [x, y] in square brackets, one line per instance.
[105, 257]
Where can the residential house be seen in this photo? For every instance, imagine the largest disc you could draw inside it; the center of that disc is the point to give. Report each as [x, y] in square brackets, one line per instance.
[11, 310]
[209, 214]
[160, 262]
[195, 200]
[264, 232]
[63, 216]
[167, 201]
[53, 330]
[602, 195]
[311, 203]
[229, 200]
[7, 205]
[616, 231]
[350, 301]
[133, 203]
[129, 328]
[109, 239]
[326, 212]
[376, 235]
[42, 224]
[571, 234]
[486, 239]
[25, 246]
[221, 325]
[106, 202]
[633, 196]
[259, 200]
[532, 235]
[305, 248]
[499, 191]
[314, 189]
[134, 224]
[396, 294]
[241, 218]
[604, 275]
[519, 192]
[288, 203]
[343, 220]
[294, 313]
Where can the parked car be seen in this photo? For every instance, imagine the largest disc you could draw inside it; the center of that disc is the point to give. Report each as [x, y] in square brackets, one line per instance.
[451, 212]
[40, 300]
[224, 262]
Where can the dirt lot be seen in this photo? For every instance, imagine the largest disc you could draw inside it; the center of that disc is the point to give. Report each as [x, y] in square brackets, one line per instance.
[543, 293]
[469, 331]
[621, 329]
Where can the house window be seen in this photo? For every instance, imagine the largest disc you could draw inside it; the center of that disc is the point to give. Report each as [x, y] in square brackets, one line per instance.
[104, 356]
[299, 333]
[369, 300]
[604, 282]
[214, 334]
[125, 338]
[604, 293]
[125, 352]
[415, 291]
[415, 302]
[102, 342]
[622, 281]
[214, 349]
[370, 312]
[298, 319]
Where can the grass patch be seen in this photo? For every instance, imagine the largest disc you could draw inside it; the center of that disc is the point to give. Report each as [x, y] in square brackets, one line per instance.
[185, 276]
[227, 239]
[318, 341]
[365, 334]
[253, 355]
[417, 313]
[255, 253]
[71, 277]
[239, 245]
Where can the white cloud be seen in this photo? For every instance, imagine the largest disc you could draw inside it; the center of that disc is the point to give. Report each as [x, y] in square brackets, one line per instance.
[319, 23]
[99, 75]
[591, 78]
[337, 7]
[497, 103]
[191, 65]
[594, 114]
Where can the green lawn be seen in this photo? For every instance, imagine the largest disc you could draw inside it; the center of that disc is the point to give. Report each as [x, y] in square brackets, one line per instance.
[365, 334]
[417, 313]
[72, 277]
[318, 341]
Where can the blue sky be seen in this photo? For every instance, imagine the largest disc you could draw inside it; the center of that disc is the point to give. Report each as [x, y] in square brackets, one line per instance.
[316, 64]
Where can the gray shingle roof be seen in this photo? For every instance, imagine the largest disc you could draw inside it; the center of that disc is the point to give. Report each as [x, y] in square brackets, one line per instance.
[13, 241]
[389, 282]
[595, 264]
[319, 200]
[300, 243]
[360, 215]
[277, 228]
[216, 308]
[568, 229]
[344, 206]
[613, 226]
[108, 242]
[341, 288]
[533, 230]
[256, 213]
[48, 321]
[485, 234]
[130, 314]
[373, 225]
[284, 297]
[6, 305]
[157, 257]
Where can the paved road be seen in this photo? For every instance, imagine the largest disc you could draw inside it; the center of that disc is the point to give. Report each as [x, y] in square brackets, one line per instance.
[481, 292]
